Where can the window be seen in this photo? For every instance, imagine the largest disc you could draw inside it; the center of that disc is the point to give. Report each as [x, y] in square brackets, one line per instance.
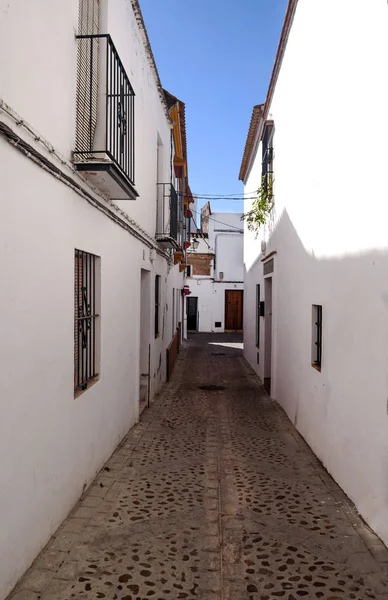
[157, 305]
[86, 319]
[316, 349]
[173, 314]
[267, 160]
[188, 271]
[177, 305]
[257, 316]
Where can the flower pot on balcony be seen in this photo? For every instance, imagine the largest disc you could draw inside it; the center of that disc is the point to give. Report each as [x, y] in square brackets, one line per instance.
[178, 257]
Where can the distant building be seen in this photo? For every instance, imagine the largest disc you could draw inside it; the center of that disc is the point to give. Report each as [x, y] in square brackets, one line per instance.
[215, 273]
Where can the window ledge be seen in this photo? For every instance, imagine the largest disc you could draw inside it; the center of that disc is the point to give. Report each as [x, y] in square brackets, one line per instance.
[91, 383]
[316, 367]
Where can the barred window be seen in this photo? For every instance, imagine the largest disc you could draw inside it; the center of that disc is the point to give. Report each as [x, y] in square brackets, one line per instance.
[267, 174]
[157, 305]
[257, 316]
[87, 293]
[316, 350]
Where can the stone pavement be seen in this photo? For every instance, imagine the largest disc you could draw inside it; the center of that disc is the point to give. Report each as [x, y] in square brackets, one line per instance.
[213, 496]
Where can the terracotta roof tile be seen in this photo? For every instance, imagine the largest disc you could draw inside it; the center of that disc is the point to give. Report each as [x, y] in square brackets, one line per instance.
[257, 114]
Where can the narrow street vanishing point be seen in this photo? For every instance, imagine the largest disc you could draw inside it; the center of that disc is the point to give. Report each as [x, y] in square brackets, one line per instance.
[214, 495]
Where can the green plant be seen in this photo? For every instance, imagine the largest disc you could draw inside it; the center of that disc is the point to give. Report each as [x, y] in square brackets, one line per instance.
[261, 206]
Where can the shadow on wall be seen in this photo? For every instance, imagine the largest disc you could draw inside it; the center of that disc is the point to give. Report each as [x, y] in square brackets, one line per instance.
[342, 411]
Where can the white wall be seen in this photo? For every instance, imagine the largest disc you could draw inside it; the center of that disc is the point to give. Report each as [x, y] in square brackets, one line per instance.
[229, 256]
[329, 232]
[44, 90]
[52, 445]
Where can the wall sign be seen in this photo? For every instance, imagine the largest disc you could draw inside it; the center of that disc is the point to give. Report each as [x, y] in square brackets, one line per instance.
[268, 267]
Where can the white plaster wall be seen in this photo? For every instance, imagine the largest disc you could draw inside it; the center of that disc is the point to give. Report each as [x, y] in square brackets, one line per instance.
[51, 445]
[230, 221]
[38, 58]
[38, 80]
[229, 256]
[329, 231]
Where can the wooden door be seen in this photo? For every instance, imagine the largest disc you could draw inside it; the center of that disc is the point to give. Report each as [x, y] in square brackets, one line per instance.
[233, 310]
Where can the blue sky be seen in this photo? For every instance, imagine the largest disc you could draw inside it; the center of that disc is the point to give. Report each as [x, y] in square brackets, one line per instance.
[217, 57]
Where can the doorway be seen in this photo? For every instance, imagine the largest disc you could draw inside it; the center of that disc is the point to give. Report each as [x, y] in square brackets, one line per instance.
[234, 310]
[268, 333]
[192, 313]
[145, 333]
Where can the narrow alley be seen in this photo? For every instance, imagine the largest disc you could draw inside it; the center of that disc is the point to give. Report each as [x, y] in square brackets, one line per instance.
[212, 496]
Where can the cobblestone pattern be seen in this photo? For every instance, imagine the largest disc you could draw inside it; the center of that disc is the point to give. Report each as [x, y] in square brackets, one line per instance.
[213, 496]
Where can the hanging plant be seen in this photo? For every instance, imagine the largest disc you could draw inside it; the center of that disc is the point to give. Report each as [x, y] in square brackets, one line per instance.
[261, 206]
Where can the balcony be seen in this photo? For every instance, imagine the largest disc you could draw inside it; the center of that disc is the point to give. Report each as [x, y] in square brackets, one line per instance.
[167, 216]
[104, 149]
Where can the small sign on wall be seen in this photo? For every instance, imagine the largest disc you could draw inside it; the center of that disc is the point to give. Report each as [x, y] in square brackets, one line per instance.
[268, 267]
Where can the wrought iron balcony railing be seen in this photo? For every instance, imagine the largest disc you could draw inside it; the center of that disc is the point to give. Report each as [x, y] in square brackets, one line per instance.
[168, 215]
[105, 143]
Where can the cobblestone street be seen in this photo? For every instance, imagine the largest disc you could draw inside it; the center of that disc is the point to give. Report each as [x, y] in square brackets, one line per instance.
[212, 496]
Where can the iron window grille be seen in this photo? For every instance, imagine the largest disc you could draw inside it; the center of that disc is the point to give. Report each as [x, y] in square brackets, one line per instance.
[157, 305]
[85, 319]
[267, 172]
[258, 316]
[105, 126]
[317, 336]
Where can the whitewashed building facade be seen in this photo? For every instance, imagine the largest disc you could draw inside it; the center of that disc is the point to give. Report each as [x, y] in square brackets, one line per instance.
[90, 297]
[215, 274]
[316, 286]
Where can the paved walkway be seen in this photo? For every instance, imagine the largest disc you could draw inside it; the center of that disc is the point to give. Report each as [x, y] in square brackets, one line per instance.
[213, 496]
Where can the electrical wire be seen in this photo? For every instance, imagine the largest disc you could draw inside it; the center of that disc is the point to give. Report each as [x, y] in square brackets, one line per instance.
[199, 232]
[226, 197]
[237, 194]
[229, 199]
[221, 222]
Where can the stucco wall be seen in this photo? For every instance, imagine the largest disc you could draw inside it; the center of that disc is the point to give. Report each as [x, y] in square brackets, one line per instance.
[229, 256]
[329, 231]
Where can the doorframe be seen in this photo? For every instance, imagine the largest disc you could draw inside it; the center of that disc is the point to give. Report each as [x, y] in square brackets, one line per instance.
[268, 333]
[196, 314]
[242, 310]
[271, 275]
[144, 344]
